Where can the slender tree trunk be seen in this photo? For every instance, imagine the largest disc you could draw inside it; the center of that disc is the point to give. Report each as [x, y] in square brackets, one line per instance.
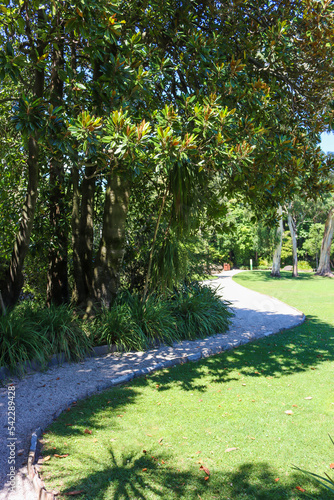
[111, 250]
[324, 268]
[12, 285]
[278, 250]
[57, 279]
[84, 239]
[150, 260]
[78, 292]
[293, 231]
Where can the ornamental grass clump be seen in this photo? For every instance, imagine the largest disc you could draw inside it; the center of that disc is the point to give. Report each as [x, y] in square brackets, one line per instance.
[21, 342]
[199, 311]
[118, 327]
[189, 312]
[31, 332]
[61, 327]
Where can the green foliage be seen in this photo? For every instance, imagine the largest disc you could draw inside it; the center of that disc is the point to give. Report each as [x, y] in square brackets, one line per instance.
[312, 243]
[190, 311]
[31, 332]
[286, 254]
[263, 264]
[21, 341]
[62, 328]
[304, 265]
[117, 327]
[157, 93]
[199, 311]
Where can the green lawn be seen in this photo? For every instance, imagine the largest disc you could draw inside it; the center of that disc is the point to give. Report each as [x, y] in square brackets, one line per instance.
[150, 438]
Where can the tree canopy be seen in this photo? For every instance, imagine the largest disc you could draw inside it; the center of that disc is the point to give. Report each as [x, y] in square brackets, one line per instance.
[129, 111]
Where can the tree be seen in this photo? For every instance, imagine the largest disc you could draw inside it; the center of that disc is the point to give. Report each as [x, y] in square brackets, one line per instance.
[277, 253]
[324, 268]
[172, 95]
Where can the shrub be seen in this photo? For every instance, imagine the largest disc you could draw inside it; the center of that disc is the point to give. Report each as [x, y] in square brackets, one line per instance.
[189, 312]
[21, 341]
[199, 311]
[60, 326]
[303, 265]
[118, 327]
[31, 332]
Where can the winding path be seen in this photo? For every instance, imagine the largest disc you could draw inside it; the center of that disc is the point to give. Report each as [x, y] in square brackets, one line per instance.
[41, 397]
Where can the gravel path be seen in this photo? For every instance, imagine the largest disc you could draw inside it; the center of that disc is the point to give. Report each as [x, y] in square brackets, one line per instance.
[41, 397]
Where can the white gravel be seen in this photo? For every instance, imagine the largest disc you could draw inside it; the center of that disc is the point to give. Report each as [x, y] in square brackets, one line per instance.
[41, 397]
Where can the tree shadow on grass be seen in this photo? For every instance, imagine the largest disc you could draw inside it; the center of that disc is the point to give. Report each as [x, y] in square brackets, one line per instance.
[132, 478]
[298, 350]
[266, 276]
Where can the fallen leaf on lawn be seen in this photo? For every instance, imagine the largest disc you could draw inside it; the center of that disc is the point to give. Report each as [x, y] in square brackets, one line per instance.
[206, 478]
[296, 406]
[160, 440]
[206, 470]
[299, 488]
[94, 440]
[289, 412]
[162, 461]
[60, 456]
[277, 479]
[158, 404]
[87, 431]
[45, 459]
[230, 449]
[75, 492]
[144, 451]
[145, 469]
[308, 397]
[331, 466]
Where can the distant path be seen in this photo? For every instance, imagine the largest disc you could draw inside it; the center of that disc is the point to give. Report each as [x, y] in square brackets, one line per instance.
[40, 397]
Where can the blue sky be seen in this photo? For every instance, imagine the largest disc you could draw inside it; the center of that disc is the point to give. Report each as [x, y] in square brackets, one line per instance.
[327, 142]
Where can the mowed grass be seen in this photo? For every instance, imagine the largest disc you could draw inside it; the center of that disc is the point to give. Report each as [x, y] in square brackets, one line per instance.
[168, 435]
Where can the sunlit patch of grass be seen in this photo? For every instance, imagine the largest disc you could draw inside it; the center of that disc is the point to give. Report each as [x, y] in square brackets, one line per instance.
[150, 438]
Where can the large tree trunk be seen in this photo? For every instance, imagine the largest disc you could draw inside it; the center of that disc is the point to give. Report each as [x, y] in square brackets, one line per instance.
[83, 219]
[275, 272]
[83, 236]
[324, 268]
[293, 231]
[57, 279]
[12, 285]
[111, 250]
